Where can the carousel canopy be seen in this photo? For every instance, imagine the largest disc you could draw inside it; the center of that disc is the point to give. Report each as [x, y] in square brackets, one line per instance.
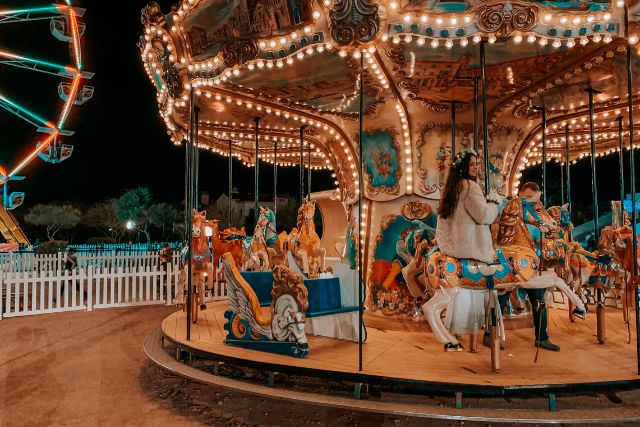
[300, 66]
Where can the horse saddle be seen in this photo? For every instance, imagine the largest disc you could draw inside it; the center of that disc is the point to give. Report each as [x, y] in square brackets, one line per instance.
[476, 270]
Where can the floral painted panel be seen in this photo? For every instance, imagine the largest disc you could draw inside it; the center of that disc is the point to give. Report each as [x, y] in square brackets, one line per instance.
[381, 162]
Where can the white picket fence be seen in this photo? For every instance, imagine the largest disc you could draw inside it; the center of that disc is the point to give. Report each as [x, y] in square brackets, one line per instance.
[31, 262]
[27, 293]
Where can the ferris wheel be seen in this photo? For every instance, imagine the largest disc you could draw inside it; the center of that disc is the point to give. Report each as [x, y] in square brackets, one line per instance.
[47, 128]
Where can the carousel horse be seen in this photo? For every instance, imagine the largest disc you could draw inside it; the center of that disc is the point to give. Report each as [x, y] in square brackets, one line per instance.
[625, 257]
[282, 330]
[518, 267]
[278, 250]
[265, 249]
[255, 255]
[604, 263]
[304, 242]
[201, 265]
[228, 240]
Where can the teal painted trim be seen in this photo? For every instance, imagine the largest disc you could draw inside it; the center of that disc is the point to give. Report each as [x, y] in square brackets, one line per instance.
[593, 6]
[452, 7]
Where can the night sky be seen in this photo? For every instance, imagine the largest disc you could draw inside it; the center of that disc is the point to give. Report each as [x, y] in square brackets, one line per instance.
[120, 140]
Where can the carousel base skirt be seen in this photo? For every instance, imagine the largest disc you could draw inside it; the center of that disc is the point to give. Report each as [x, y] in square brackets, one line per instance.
[408, 355]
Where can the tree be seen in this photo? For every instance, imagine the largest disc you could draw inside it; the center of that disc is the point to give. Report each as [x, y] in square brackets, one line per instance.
[133, 205]
[222, 215]
[53, 217]
[102, 217]
[161, 214]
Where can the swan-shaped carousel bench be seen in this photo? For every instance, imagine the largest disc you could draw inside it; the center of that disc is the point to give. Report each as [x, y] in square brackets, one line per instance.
[281, 329]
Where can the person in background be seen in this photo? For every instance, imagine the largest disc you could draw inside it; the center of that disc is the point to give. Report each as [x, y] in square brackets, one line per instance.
[530, 191]
[165, 256]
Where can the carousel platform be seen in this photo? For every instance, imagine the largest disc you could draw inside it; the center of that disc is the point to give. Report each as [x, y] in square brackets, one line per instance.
[407, 355]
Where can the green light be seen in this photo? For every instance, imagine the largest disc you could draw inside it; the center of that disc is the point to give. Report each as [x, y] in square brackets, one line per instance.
[34, 9]
[25, 111]
[33, 60]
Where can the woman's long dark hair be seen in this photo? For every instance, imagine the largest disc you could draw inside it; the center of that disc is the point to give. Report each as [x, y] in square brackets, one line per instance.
[458, 172]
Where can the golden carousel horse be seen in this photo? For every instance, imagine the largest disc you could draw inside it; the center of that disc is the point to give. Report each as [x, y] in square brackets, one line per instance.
[304, 242]
[201, 264]
[255, 255]
[228, 240]
[518, 267]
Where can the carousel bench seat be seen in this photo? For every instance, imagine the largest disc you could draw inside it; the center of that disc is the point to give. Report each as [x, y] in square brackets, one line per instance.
[327, 315]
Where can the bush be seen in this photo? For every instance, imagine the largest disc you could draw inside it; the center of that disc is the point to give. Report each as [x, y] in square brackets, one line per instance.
[101, 240]
[52, 247]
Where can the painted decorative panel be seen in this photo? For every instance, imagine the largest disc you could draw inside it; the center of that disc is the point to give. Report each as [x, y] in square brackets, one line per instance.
[394, 248]
[381, 162]
[211, 26]
[434, 155]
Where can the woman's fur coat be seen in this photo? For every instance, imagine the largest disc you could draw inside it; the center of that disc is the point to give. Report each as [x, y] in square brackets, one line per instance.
[466, 233]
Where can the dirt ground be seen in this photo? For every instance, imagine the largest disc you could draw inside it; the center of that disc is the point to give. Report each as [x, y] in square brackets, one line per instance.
[89, 369]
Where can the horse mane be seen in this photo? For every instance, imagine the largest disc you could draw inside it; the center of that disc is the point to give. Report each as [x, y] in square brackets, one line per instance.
[511, 227]
[300, 218]
[508, 222]
[607, 239]
[285, 281]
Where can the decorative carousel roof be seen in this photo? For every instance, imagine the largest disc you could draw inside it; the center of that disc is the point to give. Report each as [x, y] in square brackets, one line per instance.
[298, 63]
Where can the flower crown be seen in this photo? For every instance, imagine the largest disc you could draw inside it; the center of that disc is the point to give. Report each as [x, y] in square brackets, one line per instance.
[457, 160]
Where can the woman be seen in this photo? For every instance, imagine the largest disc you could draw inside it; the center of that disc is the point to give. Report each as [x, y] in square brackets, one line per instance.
[464, 215]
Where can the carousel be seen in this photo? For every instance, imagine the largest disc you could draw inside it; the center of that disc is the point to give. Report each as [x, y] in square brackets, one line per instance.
[386, 95]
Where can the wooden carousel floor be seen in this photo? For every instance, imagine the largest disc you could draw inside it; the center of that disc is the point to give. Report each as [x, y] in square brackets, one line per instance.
[408, 350]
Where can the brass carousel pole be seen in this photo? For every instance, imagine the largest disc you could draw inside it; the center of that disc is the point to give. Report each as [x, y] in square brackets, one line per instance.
[452, 102]
[275, 178]
[196, 159]
[621, 167]
[302, 163]
[632, 172]
[475, 114]
[568, 168]
[596, 225]
[544, 152]
[189, 203]
[361, 190]
[256, 171]
[309, 171]
[494, 306]
[230, 179]
[561, 182]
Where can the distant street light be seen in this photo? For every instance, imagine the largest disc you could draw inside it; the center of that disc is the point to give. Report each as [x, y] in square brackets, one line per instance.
[130, 224]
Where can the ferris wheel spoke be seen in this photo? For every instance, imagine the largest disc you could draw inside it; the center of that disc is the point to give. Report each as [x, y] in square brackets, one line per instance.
[38, 13]
[23, 113]
[34, 64]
